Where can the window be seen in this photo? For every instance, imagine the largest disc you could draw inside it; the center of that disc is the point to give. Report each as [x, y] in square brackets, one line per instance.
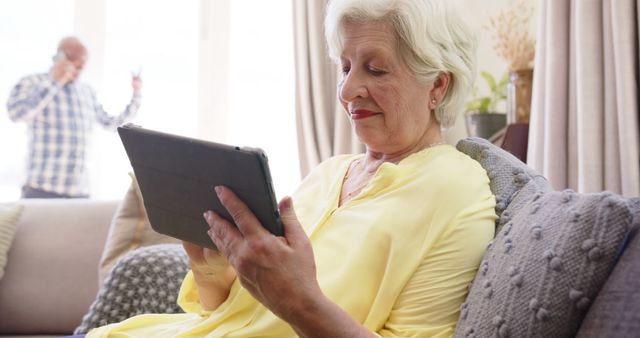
[162, 39]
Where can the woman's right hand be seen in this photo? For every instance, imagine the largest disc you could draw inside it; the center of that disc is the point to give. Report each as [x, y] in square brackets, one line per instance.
[212, 273]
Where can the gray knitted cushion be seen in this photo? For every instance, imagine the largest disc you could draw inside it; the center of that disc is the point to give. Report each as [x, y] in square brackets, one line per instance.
[546, 265]
[146, 280]
[507, 173]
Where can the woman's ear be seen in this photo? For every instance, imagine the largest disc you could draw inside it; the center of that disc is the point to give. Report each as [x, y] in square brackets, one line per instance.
[439, 90]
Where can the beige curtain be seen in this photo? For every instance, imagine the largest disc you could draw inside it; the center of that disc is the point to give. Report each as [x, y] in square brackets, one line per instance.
[584, 131]
[323, 128]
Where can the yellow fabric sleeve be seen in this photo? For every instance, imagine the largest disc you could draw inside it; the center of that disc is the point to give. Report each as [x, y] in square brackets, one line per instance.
[188, 298]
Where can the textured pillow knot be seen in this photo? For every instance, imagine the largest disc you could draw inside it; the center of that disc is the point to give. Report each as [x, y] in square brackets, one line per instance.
[567, 195]
[536, 232]
[588, 244]
[536, 197]
[517, 280]
[583, 303]
[463, 310]
[497, 320]
[575, 295]
[555, 263]
[500, 206]
[503, 331]
[543, 314]
[505, 218]
[534, 304]
[469, 332]
[507, 228]
[520, 178]
[484, 267]
[595, 254]
[534, 208]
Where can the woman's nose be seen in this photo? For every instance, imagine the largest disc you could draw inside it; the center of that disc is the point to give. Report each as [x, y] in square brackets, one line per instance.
[352, 87]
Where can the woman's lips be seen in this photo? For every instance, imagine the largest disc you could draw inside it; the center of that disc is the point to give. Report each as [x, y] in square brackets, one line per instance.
[360, 114]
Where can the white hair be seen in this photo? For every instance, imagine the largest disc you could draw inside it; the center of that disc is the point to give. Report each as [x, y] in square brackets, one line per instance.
[433, 39]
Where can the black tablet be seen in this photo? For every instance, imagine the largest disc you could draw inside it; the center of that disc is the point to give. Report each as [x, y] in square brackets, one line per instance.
[177, 175]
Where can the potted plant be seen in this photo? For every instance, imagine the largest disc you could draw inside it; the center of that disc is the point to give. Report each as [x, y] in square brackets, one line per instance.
[483, 118]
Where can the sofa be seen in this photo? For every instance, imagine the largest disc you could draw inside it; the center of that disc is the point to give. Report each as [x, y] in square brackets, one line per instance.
[562, 264]
[51, 275]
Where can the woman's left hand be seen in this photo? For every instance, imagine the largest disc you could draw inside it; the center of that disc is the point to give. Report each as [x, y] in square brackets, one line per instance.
[280, 272]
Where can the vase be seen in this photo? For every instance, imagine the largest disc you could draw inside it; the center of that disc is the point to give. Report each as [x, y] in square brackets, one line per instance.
[485, 125]
[519, 96]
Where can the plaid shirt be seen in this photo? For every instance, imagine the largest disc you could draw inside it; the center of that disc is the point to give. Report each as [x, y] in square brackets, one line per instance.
[59, 119]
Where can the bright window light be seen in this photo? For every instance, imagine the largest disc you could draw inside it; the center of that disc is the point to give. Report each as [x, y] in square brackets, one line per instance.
[261, 86]
[140, 38]
[28, 38]
[162, 40]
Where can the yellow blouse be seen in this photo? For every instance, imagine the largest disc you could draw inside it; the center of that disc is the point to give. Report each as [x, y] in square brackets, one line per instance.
[398, 257]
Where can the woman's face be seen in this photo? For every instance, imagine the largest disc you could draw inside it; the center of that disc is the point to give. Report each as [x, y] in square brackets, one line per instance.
[388, 107]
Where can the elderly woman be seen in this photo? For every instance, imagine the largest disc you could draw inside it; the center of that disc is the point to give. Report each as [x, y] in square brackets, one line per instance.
[376, 244]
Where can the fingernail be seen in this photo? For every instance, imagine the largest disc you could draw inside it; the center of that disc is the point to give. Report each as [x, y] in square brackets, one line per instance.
[286, 203]
[206, 215]
[218, 189]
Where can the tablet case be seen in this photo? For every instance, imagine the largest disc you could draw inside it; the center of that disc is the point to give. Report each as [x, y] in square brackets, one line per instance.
[177, 175]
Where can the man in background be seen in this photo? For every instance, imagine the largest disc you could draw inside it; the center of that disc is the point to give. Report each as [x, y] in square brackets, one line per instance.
[59, 111]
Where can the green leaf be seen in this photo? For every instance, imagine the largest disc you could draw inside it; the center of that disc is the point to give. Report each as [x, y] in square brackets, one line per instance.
[489, 79]
[502, 85]
[487, 103]
[484, 105]
[474, 104]
[504, 80]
